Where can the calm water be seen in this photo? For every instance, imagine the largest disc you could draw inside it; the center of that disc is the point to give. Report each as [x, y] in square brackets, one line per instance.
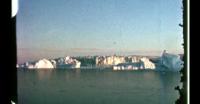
[96, 87]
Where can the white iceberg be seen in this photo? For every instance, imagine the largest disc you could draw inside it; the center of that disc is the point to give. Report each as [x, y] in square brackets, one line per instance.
[109, 60]
[41, 64]
[44, 64]
[137, 63]
[66, 62]
[147, 63]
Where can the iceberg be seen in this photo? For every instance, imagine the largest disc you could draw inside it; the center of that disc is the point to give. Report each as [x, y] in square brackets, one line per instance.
[137, 63]
[109, 60]
[171, 62]
[68, 62]
[17, 65]
[43, 64]
[165, 62]
[53, 63]
[129, 66]
[147, 63]
[28, 65]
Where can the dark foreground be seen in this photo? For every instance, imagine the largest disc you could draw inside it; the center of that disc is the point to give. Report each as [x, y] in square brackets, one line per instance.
[96, 86]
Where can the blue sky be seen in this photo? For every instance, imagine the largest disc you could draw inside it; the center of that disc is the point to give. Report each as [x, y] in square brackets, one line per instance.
[54, 28]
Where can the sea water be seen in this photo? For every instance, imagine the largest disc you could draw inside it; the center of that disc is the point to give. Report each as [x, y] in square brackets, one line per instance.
[96, 86]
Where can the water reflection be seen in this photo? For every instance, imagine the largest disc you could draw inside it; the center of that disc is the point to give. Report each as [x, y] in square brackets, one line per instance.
[94, 86]
[44, 74]
[169, 80]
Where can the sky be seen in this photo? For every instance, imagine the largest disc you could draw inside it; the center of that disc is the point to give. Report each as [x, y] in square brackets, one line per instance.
[57, 28]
